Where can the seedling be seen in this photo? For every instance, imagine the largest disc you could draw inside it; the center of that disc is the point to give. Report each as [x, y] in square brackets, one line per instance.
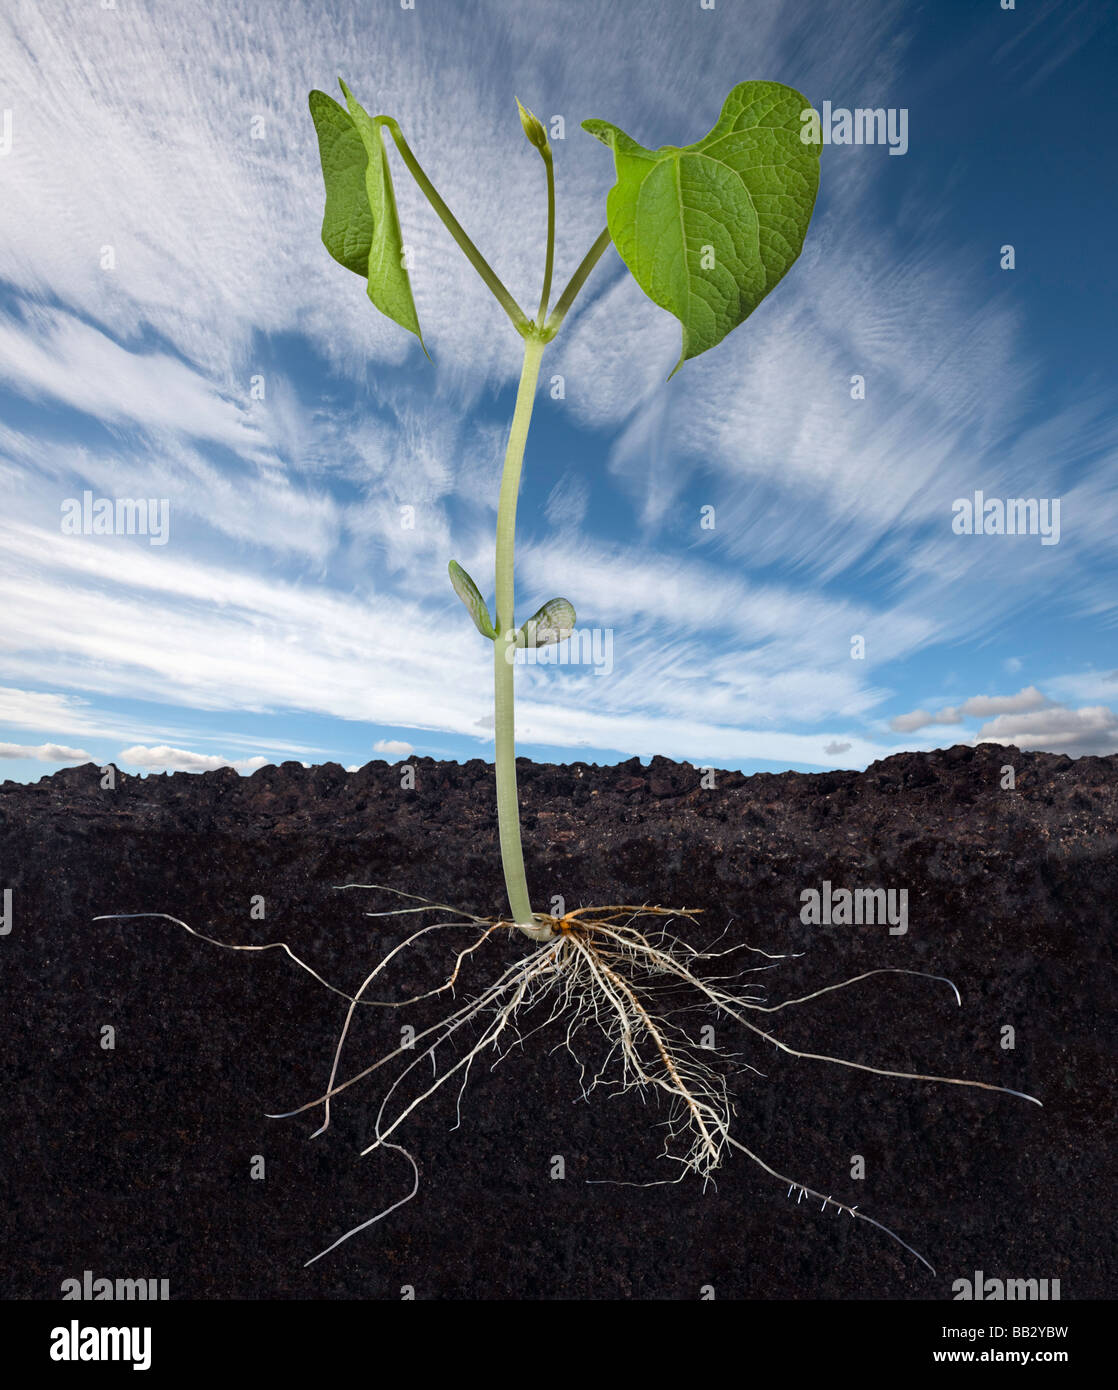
[707, 231]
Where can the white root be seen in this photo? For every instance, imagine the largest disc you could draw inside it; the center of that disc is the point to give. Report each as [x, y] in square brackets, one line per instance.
[603, 974]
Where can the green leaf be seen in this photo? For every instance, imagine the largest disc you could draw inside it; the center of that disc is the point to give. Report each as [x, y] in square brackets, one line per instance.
[708, 229]
[361, 225]
[347, 224]
[553, 622]
[470, 595]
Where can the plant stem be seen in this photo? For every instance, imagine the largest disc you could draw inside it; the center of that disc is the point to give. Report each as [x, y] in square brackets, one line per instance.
[577, 280]
[454, 227]
[549, 263]
[504, 650]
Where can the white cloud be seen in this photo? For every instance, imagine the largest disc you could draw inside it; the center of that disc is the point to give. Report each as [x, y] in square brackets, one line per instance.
[921, 718]
[1029, 720]
[183, 760]
[36, 709]
[983, 706]
[1084, 687]
[1076, 732]
[57, 356]
[977, 707]
[44, 752]
[393, 747]
[71, 714]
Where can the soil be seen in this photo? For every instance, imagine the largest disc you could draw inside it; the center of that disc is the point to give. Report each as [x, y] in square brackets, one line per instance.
[137, 1159]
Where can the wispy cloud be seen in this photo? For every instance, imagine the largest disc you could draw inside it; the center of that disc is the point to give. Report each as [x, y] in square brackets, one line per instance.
[51, 355]
[176, 330]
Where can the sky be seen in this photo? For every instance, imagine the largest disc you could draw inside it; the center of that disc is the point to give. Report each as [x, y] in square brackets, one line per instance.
[764, 552]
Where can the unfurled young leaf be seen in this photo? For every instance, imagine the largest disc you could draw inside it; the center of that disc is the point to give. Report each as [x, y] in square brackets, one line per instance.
[532, 126]
[708, 229]
[470, 595]
[361, 226]
[553, 622]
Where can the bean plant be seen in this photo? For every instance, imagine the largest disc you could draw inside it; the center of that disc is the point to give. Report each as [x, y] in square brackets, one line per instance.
[706, 230]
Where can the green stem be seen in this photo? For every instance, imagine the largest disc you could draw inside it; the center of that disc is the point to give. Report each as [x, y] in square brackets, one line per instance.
[549, 264]
[454, 227]
[577, 280]
[504, 650]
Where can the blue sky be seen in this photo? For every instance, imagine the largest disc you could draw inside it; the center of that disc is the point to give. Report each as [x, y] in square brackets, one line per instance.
[291, 615]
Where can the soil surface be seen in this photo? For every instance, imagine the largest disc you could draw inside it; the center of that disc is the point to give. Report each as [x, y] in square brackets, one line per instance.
[138, 1159]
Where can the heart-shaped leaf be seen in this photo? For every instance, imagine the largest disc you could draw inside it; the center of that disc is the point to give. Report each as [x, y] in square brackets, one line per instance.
[470, 595]
[708, 229]
[361, 226]
[552, 622]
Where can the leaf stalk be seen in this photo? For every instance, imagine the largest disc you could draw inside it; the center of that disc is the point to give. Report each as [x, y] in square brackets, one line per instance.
[549, 262]
[520, 319]
[576, 282]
